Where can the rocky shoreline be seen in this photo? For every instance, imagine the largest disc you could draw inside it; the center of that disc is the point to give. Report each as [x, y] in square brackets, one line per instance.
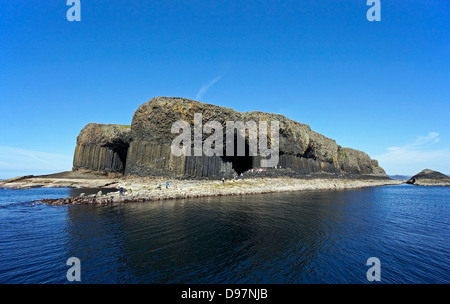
[145, 189]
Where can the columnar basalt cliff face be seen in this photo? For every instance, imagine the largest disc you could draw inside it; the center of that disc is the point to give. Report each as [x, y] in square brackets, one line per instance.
[147, 145]
[102, 147]
[150, 151]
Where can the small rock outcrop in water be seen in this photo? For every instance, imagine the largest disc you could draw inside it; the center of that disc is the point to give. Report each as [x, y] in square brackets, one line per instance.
[144, 148]
[429, 177]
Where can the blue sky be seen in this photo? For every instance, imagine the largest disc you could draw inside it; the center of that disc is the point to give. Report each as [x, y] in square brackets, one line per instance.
[381, 87]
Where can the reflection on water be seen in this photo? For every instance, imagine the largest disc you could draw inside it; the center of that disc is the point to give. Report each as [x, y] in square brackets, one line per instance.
[302, 237]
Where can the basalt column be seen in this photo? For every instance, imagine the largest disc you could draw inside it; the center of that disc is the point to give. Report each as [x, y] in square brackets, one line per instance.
[102, 148]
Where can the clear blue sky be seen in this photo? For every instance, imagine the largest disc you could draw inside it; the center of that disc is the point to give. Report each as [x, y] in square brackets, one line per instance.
[381, 87]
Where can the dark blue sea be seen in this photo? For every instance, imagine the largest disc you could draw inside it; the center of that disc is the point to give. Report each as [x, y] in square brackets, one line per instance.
[302, 237]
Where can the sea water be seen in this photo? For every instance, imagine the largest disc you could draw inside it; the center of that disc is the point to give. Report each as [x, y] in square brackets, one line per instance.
[297, 237]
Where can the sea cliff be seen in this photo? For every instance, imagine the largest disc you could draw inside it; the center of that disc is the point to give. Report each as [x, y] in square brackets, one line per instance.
[144, 148]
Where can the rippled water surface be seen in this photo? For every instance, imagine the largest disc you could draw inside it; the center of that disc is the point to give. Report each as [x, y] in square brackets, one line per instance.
[302, 237]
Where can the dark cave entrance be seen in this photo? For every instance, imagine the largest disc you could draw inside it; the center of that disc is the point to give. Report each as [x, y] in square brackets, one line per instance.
[240, 164]
[122, 153]
[120, 157]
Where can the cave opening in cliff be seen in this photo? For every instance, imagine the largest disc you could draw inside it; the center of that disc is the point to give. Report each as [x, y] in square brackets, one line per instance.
[239, 164]
[121, 151]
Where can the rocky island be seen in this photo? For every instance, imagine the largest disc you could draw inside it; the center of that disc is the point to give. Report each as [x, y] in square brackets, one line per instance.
[138, 158]
[429, 177]
[143, 149]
